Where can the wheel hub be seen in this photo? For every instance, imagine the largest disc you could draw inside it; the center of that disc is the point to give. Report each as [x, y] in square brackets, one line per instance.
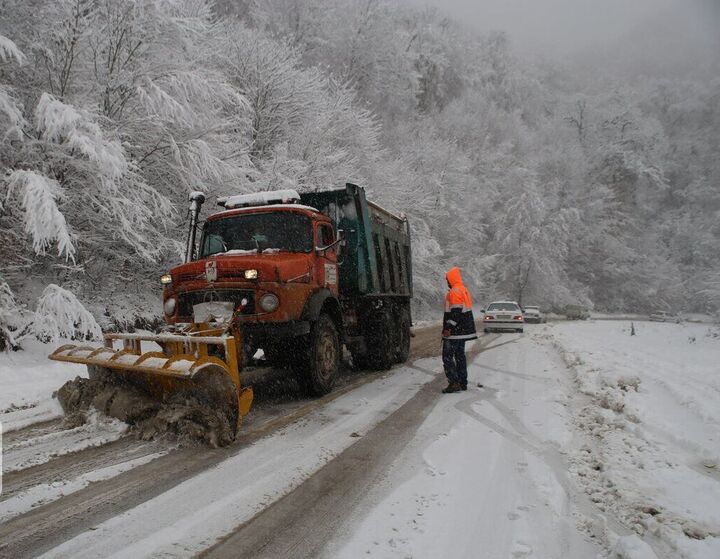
[326, 355]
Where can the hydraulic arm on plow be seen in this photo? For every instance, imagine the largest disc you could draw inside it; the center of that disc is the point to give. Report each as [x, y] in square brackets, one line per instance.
[190, 361]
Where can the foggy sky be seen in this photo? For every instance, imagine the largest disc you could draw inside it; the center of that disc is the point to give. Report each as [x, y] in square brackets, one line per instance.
[672, 33]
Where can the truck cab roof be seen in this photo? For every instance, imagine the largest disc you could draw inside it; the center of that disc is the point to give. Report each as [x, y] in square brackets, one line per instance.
[269, 208]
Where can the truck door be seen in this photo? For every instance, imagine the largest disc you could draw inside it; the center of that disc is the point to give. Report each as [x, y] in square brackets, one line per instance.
[326, 261]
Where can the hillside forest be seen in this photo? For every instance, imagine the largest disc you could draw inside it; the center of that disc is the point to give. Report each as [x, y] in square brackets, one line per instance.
[546, 182]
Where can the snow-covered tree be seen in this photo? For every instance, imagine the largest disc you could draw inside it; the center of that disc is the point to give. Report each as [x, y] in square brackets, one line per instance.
[308, 131]
[541, 181]
[44, 222]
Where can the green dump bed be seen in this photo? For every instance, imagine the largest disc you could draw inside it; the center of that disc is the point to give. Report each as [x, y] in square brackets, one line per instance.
[376, 258]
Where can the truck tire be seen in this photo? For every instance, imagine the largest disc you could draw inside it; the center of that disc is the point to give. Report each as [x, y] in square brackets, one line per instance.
[320, 364]
[381, 349]
[403, 336]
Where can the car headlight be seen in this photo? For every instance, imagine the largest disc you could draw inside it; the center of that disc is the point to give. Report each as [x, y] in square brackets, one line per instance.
[251, 274]
[166, 279]
[169, 306]
[269, 302]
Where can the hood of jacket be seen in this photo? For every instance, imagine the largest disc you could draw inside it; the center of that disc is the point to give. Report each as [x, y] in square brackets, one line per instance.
[453, 277]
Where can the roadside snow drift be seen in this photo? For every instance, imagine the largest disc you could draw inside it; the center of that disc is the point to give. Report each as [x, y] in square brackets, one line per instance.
[652, 416]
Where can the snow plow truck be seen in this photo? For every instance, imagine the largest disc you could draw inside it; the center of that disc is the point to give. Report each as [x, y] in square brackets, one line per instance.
[296, 275]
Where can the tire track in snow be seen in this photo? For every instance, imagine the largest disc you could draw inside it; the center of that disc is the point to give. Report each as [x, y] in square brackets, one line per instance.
[519, 434]
[48, 525]
[35, 430]
[300, 523]
[39, 449]
[64, 468]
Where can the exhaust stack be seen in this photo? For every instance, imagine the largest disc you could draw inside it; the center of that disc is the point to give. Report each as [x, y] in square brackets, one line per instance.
[196, 202]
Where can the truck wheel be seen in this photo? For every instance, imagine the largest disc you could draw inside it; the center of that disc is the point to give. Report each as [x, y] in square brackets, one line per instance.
[403, 326]
[381, 350]
[317, 376]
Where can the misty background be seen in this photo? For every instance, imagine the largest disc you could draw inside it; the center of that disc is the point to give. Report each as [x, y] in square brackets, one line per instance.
[561, 152]
[658, 37]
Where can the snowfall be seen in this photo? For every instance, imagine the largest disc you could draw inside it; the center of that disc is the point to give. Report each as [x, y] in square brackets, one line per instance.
[584, 441]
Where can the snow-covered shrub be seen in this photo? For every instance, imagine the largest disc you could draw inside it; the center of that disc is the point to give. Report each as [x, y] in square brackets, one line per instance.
[60, 314]
[9, 50]
[14, 320]
[7, 307]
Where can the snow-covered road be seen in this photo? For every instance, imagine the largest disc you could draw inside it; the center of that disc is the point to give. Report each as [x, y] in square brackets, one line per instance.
[484, 475]
[584, 442]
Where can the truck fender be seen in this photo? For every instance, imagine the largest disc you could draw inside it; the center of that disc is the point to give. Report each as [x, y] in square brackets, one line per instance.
[320, 300]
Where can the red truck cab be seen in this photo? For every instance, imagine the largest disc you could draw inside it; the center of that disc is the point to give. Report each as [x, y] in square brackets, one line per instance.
[270, 262]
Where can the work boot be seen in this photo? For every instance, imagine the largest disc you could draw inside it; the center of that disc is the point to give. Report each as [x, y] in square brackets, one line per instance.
[452, 387]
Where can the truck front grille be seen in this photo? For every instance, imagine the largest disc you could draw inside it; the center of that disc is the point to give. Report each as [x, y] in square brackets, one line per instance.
[186, 301]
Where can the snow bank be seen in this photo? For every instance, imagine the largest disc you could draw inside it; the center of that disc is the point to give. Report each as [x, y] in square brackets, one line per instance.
[652, 413]
[632, 547]
[27, 381]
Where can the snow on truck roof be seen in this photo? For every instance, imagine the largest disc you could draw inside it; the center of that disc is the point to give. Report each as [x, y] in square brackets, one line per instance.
[249, 209]
[260, 199]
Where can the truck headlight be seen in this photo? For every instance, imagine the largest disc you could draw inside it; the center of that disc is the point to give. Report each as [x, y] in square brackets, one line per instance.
[166, 279]
[269, 302]
[251, 274]
[169, 306]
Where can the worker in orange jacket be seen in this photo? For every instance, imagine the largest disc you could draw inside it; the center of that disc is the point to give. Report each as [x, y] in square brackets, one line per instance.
[458, 327]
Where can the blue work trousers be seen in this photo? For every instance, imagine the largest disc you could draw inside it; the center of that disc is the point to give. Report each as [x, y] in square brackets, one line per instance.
[454, 361]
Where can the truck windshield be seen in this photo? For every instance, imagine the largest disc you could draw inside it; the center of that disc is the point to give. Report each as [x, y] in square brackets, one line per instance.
[258, 232]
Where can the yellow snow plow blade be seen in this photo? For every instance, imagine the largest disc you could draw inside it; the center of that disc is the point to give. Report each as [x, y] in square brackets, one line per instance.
[187, 363]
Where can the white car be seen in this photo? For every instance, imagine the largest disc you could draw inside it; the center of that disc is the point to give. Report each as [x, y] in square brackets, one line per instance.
[533, 314]
[503, 315]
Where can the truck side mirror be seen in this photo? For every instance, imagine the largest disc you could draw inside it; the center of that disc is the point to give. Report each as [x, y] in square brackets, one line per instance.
[340, 241]
[335, 242]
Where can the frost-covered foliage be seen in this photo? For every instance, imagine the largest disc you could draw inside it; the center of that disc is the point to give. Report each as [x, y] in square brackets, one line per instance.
[43, 220]
[544, 185]
[11, 317]
[59, 123]
[59, 314]
[308, 131]
[9, 51]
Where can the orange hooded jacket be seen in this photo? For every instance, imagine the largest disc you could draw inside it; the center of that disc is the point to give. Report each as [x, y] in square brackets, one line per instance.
[458, 318]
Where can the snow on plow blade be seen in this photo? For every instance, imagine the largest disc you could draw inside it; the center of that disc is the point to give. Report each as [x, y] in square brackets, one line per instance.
[186, 364]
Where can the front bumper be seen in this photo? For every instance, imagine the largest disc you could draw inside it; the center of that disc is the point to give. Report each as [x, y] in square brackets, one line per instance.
[503, 324]
[277, 330]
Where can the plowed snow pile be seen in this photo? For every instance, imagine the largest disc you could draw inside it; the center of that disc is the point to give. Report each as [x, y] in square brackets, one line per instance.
[183, 417]
[652, 419]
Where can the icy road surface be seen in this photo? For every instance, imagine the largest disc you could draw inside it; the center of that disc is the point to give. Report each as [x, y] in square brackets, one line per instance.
[584, 442]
